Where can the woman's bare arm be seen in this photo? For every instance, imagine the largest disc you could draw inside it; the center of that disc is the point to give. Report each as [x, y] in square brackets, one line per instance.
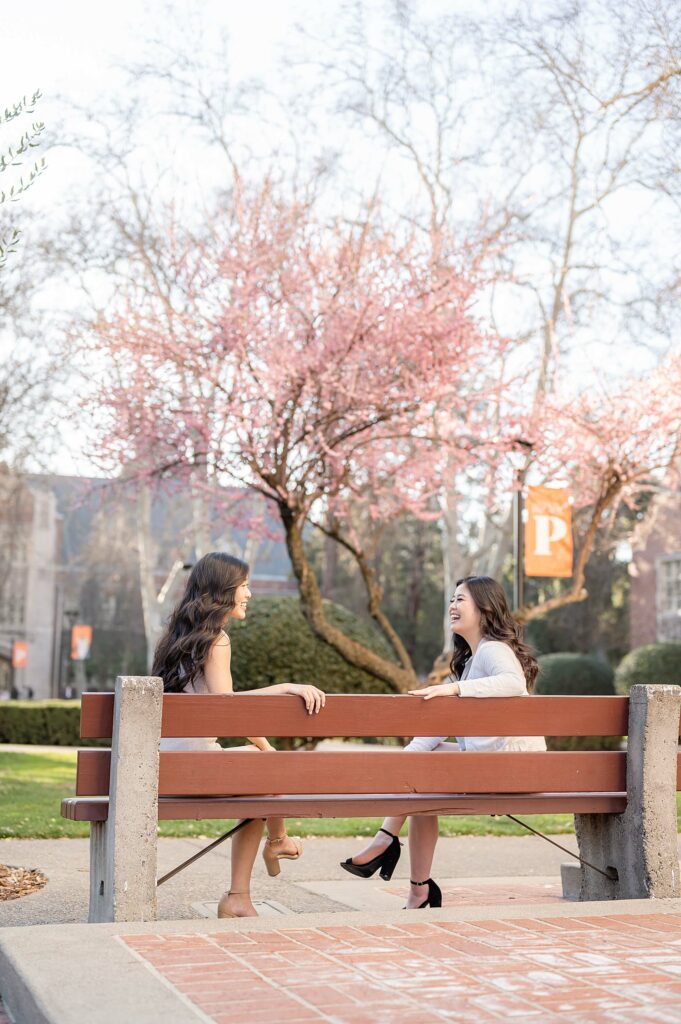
[218, 675]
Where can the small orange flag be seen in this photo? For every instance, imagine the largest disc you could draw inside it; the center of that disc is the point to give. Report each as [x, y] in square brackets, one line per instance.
[81, 642]
[548, 532]
[19, 654]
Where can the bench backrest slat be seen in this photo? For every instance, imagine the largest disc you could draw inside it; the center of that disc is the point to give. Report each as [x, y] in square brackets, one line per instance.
[242, 773]
[371, 715]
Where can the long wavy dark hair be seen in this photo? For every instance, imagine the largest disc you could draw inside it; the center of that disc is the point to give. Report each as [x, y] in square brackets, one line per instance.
[183, 650]
[496, 623]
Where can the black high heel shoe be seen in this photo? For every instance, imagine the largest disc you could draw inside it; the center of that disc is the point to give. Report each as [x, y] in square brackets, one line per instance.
[386, 861]
[434, 898]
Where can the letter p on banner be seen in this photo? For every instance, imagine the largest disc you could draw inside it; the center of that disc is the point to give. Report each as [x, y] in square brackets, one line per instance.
[548, 532]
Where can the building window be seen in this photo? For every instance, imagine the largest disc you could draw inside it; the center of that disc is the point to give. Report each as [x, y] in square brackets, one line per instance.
[669, 598]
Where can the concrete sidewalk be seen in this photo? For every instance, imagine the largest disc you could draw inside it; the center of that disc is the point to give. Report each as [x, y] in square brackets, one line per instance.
[596, 963]
[329, 947]
[313, 883]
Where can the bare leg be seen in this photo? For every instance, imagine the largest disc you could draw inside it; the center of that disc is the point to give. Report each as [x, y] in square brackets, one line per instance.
[237, 902]
[381, 841]
[276, 829]
[423, 834]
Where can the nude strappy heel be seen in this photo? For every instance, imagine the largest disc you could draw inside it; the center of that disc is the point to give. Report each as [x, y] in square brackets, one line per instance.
[222, 910]
[272, 858]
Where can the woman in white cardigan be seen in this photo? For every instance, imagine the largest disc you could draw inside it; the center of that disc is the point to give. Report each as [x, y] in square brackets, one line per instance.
[490, 660]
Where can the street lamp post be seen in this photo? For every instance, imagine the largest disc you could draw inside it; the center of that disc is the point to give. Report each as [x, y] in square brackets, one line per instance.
[71, 615]
[518, 525]
[518, 550]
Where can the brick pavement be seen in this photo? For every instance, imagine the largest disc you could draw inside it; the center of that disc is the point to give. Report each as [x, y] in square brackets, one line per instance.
[623, 968]
[490, 892]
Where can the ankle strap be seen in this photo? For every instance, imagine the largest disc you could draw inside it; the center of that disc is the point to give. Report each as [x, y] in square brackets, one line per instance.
[426, 882]
[388, 833]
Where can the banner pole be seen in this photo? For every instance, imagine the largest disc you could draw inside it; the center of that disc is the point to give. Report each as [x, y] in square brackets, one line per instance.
[518, 549]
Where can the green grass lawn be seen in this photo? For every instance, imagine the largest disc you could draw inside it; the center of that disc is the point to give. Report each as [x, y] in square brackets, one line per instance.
[32, 787]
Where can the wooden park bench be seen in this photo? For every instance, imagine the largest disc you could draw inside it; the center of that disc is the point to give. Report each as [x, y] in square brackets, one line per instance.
[624, 803]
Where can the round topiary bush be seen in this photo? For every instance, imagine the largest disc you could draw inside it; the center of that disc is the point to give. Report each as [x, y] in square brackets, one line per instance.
[576, 675]
[654, 663]
[275, 644]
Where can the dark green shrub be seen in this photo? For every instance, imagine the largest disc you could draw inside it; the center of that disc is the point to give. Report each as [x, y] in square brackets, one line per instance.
[576, 675]
[654, 663]
[275, 644]
[46, 722]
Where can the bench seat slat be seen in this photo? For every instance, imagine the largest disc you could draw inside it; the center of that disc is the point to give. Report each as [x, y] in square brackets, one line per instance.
[371, 715]
[221, 773]
[358, 805]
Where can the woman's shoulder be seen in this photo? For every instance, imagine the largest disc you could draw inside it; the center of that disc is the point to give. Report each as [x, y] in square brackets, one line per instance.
[222, 640]
[490, 646]
[496, 651]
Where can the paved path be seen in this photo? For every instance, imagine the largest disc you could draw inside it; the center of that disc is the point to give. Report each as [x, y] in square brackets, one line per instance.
[329, 947]
[619, 967]
[586, 964]
[313, 883]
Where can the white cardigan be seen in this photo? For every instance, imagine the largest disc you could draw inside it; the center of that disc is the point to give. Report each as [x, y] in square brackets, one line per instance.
[493, 671]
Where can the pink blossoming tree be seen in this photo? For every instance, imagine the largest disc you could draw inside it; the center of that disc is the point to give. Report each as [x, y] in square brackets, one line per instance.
[331, 367]
[319, 364]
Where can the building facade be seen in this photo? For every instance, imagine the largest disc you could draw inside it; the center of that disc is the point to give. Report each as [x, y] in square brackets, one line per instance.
[655, 570]
[70, 554]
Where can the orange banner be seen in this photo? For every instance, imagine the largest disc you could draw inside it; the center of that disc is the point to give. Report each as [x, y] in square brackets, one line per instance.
[81, 642]
[548, 532]
[19, 654]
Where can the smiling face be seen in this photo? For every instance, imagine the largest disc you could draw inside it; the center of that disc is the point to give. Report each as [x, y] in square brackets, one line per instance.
[464, 614]
[241, 598]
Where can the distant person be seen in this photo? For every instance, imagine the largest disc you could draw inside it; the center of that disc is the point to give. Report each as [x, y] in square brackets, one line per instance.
[194, 656]
[490, 660]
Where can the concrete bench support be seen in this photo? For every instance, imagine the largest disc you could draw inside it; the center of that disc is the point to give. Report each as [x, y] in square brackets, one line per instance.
[123, 848]
[640, 844]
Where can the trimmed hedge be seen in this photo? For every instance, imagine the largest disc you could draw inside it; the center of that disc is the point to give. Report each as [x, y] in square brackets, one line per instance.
[653, 663]
[275, 644]
[48, 722]
[576, 675]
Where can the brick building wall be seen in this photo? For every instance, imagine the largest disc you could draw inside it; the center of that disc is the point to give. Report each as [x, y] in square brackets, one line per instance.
[655, 570]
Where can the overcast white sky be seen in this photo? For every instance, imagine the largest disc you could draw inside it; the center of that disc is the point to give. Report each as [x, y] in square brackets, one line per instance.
[69, 46]
[70, 49]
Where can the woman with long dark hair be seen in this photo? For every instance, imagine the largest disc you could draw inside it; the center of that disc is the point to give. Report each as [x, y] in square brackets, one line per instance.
[490, 660]
[194, 656]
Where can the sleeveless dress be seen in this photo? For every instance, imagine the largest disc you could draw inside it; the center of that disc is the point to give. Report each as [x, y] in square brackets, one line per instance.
[193, 742]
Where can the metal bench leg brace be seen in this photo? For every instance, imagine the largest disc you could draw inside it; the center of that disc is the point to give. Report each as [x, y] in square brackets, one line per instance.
[609, 873]
[206, 849]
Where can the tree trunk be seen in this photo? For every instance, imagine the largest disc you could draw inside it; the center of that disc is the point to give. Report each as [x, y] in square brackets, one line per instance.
[330, 571]
[414, 592]
[151, 612]
[398, 677]
[456, 562]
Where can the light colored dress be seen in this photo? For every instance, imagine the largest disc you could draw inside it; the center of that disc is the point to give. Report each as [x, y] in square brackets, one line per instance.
[193, 742]
[493, 671]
